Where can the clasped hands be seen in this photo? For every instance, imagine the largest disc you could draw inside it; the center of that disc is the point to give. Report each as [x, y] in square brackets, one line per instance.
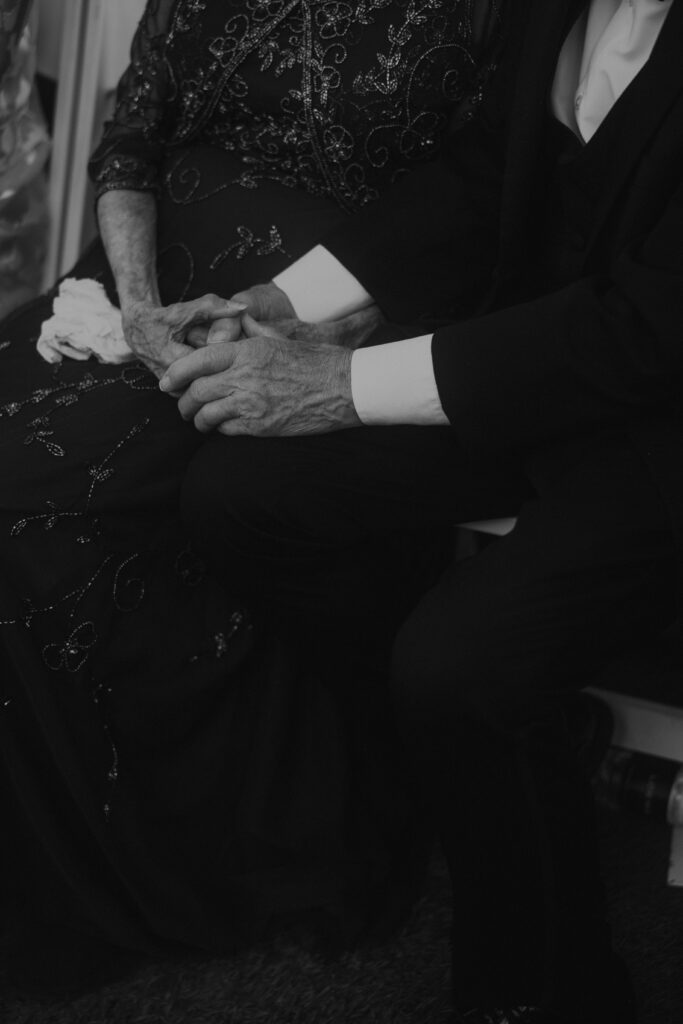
[248, 366]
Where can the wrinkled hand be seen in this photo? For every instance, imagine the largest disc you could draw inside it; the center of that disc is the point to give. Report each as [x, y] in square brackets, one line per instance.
[269, 305]
[265, 386]
[226, 328]
[349, 332]
[266, 302]
[158, 335]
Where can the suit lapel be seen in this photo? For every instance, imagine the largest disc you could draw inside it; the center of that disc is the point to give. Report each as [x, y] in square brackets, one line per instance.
[635, 118]
[620, 141]
[548, 22]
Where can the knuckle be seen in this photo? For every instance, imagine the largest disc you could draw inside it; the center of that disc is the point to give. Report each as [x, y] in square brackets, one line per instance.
[213, 358]
[205, 419]
[197, 389]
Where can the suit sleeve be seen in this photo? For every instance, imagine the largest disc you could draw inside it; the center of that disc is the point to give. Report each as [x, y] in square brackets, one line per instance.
[602, 350]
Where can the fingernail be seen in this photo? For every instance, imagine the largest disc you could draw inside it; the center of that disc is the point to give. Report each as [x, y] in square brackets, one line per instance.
[164, 383]
[239, 305]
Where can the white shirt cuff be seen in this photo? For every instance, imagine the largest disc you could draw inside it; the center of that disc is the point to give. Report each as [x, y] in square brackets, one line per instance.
[321, 288]
[394, 383]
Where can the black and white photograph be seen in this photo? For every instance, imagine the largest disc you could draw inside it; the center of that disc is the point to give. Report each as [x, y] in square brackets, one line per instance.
[341, 511]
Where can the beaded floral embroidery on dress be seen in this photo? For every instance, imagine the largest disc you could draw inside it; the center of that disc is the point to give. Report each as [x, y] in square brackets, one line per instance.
[355, 92]
[332, 98]
[108, 578]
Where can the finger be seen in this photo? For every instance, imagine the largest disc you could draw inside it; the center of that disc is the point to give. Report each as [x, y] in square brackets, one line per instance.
[201, 362]
[214, 414]
[253, 329]
[206, 309]
[233, 428]
[255, 300]
[160, 361]
[267, 301]
[229, 329]
[197, 335]
[202, 391]
[249, 298]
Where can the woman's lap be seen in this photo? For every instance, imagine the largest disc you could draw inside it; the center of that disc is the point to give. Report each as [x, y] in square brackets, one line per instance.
[135, 682]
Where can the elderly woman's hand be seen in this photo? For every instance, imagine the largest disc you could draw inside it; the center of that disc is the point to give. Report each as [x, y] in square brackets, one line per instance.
[160, 334]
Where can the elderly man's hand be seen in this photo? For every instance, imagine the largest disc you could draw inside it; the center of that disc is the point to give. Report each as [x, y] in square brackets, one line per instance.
[265, 386]
[278, 316]
[266, 302]
[350, 332]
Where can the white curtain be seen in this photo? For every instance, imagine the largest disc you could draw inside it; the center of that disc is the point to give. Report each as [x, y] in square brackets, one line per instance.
[121, 16]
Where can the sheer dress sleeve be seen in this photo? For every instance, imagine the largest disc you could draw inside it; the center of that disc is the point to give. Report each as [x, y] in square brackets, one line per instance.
[132, 145]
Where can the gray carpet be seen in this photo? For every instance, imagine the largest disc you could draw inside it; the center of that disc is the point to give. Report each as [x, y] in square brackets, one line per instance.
[403, 981]
[647, 914]
[287, 981]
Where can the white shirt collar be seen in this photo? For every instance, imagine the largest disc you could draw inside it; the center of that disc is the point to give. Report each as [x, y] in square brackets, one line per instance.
[606, 48]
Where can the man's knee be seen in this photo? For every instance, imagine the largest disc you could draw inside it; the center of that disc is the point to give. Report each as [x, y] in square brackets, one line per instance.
[457, 662]
[436, 677]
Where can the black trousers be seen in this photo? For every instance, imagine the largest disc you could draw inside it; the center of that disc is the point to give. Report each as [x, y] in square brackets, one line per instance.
[485, 654]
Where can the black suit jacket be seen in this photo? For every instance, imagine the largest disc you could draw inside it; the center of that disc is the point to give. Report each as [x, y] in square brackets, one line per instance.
[532, 361]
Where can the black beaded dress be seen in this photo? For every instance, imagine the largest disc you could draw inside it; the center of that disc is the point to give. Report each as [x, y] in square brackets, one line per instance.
[170, 778]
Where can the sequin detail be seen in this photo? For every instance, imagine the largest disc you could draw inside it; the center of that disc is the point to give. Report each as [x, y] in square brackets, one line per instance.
[248, 241]
[69, 617]
[366, 90]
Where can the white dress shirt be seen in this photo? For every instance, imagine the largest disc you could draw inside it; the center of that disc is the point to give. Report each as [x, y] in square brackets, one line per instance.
[606, 48]
[394, 383]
